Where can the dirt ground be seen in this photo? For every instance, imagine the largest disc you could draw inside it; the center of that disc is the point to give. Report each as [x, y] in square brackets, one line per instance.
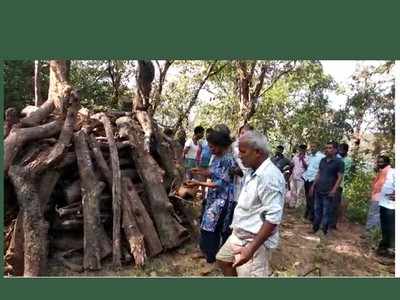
[341, 253]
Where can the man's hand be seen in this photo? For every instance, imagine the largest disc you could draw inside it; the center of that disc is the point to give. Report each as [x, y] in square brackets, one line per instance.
[391, 196]
[242, 256]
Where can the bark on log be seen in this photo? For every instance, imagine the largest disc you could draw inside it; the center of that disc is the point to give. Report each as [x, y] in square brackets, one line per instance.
[132, 232]
[101, 162]
[133, 203]
[171, 233]
[91, 190]
[47, 184]
[66, 132]
[18, 137]
[34, 225]
[14, 258]
[116, 192]
[36, 117]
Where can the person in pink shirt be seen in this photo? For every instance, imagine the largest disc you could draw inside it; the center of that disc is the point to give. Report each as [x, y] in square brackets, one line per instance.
[296, 195]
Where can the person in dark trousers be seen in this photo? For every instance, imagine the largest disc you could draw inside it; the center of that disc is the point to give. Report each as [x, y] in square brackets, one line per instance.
[314, 158]
[387, 209]
[326, 184]
[216, 218]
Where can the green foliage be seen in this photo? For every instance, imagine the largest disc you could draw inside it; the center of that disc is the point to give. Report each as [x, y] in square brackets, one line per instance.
[358, 194]
[18, 83]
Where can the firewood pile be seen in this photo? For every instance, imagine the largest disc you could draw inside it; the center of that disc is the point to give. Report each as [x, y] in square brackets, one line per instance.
[88, 187]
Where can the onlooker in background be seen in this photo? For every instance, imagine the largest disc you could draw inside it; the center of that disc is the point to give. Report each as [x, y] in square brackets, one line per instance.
[387, 210]
[190, 150]
[241, 170]
[343, 150]
[314, 158]
[280, 160]
[214, 228]
[326, 184]
[205, 152]
[296, 182]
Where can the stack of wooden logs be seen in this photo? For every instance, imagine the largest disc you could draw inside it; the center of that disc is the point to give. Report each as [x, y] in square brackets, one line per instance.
[88, 185]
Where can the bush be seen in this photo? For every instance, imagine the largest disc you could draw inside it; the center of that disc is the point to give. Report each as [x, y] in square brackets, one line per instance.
[358, 194]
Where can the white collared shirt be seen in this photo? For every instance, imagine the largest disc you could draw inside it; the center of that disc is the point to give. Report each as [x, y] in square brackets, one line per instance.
[388, 188]
[261, 199]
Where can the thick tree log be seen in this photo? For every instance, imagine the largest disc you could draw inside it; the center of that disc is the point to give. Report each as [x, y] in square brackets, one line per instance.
[133, 203]
[173, 178]
[101, 162]
[37, 116]
[171, 233]
[14, 258]
[18, 137]
[132, 232]
[10, 119]
[116, 191]
[34, 225]
[91, 190]
[66, 132]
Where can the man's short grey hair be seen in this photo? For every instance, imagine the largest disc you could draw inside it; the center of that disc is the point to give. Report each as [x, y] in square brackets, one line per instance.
[257, 141]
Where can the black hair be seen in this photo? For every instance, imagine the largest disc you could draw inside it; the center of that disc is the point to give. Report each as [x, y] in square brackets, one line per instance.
[208, 130]
[333, 143]
[385, 159]
[280, 147]
[344, 146]
[303, 147]
[219, 138]
[198, 129]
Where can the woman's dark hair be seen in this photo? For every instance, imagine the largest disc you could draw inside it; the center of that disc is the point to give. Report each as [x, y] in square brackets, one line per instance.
[303, 147]
[219, 138]
[385, 159]
[198, 129]
[246, 126]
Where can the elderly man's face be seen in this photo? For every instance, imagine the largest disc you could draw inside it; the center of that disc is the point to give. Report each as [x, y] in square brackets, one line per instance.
[248, 155]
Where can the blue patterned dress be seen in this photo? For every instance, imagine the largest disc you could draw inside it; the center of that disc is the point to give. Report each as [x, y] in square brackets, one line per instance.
[220, 200]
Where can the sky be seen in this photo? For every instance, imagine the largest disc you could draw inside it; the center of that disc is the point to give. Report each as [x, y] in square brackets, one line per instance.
[341, 71]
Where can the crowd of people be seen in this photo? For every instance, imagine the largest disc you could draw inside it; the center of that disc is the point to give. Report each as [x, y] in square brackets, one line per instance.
[245, 187]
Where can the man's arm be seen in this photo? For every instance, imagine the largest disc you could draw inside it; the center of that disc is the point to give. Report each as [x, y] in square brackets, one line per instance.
[337, 184]
[247, 252]
[314, 183]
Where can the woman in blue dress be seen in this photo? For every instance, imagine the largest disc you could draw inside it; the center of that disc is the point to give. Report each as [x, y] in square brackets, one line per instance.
[217, 216]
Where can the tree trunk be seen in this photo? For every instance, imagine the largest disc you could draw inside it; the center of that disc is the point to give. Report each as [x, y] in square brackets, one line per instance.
[91, 190]
[133, 202]
[100, 161]
[116, 192]
[59, 87]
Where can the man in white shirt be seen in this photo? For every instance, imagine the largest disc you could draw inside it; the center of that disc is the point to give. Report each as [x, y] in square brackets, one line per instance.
[191, 150]
[387, 210]
[257, 214]
[314, 158]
